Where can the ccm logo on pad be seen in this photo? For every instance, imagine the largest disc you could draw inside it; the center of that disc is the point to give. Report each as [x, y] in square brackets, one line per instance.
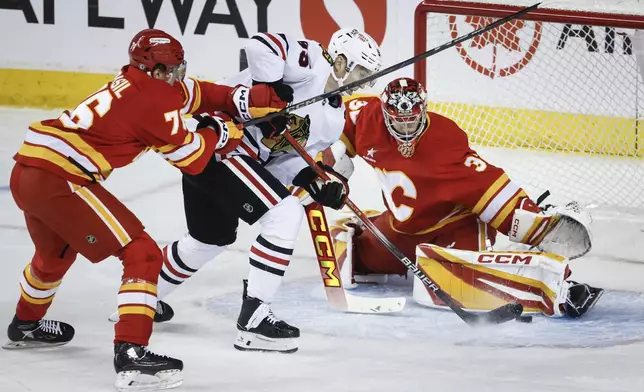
[504, 259]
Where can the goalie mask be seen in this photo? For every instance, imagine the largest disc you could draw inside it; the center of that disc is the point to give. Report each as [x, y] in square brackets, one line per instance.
[404, 107]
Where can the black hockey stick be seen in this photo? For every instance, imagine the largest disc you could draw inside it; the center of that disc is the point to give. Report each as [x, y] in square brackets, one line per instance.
[499, 315]
[393, 68]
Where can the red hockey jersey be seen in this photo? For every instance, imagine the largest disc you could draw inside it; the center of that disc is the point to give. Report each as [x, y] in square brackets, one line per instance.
[122, 120]
[442, 183]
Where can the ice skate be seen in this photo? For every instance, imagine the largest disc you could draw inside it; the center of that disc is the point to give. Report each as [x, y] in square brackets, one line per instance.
[260, 330]
[138, 369]
[164, 312]
[37, 334]
[581, 298]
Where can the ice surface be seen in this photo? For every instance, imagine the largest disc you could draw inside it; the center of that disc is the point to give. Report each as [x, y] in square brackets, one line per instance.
[416, 350]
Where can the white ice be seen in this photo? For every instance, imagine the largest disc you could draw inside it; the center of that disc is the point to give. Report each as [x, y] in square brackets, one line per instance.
[417, 350]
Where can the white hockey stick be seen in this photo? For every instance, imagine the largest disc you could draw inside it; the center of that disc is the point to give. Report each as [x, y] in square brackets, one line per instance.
[337, 296]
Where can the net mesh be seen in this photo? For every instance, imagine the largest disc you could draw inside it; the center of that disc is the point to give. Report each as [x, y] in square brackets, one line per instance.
[559, 106]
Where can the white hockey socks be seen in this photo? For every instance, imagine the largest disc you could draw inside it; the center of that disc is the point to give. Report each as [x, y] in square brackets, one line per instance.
[271, 252]
[182, 259]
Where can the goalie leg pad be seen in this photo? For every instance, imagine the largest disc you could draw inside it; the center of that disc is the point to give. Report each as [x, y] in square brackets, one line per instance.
[482, 281]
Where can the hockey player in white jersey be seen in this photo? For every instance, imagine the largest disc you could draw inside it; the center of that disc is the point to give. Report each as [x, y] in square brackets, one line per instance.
[250, 183]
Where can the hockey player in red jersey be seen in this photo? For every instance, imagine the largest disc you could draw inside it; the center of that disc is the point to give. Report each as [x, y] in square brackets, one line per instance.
[57, 179]
[439, 191]
[257, 173]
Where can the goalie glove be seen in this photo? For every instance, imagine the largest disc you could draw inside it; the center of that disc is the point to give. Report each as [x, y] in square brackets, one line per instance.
[564, 230]
[571, 235]
[332, 193]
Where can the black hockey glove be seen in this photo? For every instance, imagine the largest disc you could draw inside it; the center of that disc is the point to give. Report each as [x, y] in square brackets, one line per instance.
[273, 127]
[332, 193]
[276, 126]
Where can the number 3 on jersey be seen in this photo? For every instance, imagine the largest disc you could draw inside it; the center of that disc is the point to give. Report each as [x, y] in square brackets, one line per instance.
[477, 163]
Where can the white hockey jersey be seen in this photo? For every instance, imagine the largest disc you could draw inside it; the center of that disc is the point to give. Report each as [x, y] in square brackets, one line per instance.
[305, 66]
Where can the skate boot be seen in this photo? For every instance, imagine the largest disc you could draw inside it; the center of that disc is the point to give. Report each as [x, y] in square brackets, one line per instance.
[138, 369]
[163, 313]
[260, 330]
[581, 298]
[35, 334]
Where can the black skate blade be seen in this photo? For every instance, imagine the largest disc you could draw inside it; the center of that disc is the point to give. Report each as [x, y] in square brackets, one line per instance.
[499, 315]
[291, 351]
[598, 295]
[30, 344]
[131, 381]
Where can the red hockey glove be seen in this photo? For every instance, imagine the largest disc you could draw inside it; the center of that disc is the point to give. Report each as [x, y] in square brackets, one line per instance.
[257, 101]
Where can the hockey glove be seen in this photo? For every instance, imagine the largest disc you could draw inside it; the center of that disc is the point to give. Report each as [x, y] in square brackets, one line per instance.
[284, 91]
[276, 126]
[332, 193]
[257, 101]
[229, 133]
[273, 127]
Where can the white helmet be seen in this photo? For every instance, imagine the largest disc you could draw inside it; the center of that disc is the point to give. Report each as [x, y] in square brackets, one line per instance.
[359, 49]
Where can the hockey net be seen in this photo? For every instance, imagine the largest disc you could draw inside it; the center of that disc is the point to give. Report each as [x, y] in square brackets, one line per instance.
[556, 98]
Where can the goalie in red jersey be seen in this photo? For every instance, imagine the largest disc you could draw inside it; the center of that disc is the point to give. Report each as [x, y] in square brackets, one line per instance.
[446, 204]
[57, 179]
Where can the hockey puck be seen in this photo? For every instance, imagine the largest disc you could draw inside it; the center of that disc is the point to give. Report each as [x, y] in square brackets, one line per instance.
[524, 319]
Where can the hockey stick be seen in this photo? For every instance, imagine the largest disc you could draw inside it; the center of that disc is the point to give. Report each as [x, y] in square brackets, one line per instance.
[499, 315]
[337, 297]
[391, 69]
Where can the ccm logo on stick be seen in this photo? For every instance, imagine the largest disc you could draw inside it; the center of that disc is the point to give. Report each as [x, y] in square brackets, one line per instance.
[504, 259]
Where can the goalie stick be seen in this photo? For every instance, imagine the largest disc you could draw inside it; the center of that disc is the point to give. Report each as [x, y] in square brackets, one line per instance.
[499, 315]
[336, 295]
[391, 69]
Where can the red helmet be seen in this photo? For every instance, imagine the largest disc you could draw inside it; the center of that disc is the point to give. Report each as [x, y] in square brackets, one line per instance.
[404, 106]
[152, 47]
